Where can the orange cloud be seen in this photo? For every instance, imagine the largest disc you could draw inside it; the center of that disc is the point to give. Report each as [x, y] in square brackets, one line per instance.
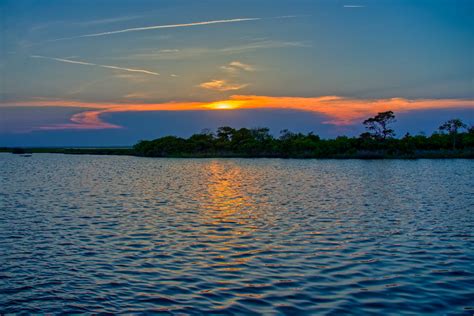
[345, 111]
[339, 110]
[84, 120]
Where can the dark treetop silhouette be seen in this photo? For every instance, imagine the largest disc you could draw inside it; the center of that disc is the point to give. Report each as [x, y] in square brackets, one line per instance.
[452, 127]
[377, 142]
[379, 125]
[453, 140]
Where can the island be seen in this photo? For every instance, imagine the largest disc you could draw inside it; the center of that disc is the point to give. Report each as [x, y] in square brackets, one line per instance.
[453, 139]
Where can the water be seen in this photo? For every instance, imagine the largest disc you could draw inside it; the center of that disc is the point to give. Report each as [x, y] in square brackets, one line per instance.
[106, 234]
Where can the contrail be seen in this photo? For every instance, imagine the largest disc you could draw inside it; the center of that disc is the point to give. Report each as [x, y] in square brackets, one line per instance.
[97, 65]
[168, 26]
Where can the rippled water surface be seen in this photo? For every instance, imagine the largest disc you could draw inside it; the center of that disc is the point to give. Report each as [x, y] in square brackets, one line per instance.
[234, 236]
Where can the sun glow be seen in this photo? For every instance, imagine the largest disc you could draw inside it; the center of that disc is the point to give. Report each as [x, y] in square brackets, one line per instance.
[227, 105]
[337, 110]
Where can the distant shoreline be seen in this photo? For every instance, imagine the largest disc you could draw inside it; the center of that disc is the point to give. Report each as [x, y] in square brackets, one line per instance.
[454, 139]
[227, 142]
[104, 151]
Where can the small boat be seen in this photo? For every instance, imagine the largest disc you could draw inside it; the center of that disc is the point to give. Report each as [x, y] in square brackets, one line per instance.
[25, 155]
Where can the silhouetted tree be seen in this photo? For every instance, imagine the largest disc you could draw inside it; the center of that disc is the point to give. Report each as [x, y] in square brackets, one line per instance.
[203, 142]
[225, 133]
[379, 125]
[452, 127]
[261, 134]
[377, 142]
[365, 136]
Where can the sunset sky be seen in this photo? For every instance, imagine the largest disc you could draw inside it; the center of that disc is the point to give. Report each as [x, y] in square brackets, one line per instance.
[112, 72]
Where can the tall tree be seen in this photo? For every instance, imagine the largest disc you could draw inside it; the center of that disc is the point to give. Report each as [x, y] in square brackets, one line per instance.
[452, 127]
[225, 133]
[378, 126]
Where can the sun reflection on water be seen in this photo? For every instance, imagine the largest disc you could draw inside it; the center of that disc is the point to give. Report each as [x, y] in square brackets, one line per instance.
[228, 204]
[229, 214]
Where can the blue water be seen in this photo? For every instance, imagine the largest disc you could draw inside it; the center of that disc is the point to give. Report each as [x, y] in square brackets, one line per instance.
[104, 234]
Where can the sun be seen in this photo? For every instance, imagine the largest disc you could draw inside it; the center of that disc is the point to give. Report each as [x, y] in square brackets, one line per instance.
[227, 105]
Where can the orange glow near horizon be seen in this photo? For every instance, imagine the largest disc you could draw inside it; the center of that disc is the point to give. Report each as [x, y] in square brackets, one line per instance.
[338, 110]
[224, 105]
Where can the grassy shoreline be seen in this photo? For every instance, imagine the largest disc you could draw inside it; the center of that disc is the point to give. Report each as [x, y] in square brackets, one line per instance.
[363, 155]
[454, 139]
[68, 150]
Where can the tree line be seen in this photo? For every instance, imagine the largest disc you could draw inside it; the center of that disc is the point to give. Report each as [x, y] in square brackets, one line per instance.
[453, 139]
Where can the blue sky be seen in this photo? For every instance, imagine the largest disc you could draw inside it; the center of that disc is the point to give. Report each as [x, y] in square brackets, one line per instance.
[111, 72]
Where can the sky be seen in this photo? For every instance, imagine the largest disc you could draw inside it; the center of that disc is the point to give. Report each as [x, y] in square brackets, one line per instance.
[113, 72]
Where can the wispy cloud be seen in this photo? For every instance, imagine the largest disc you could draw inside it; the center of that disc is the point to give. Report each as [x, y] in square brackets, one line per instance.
[168, 26]
[107, 20]
[339, 110]
[353, 6]
[222, 85]
[89, 120]
[168, 51]
[236, 66]
[262, 45]
[132, 77]
[77, 62]
[138, 95]
[194, 52]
